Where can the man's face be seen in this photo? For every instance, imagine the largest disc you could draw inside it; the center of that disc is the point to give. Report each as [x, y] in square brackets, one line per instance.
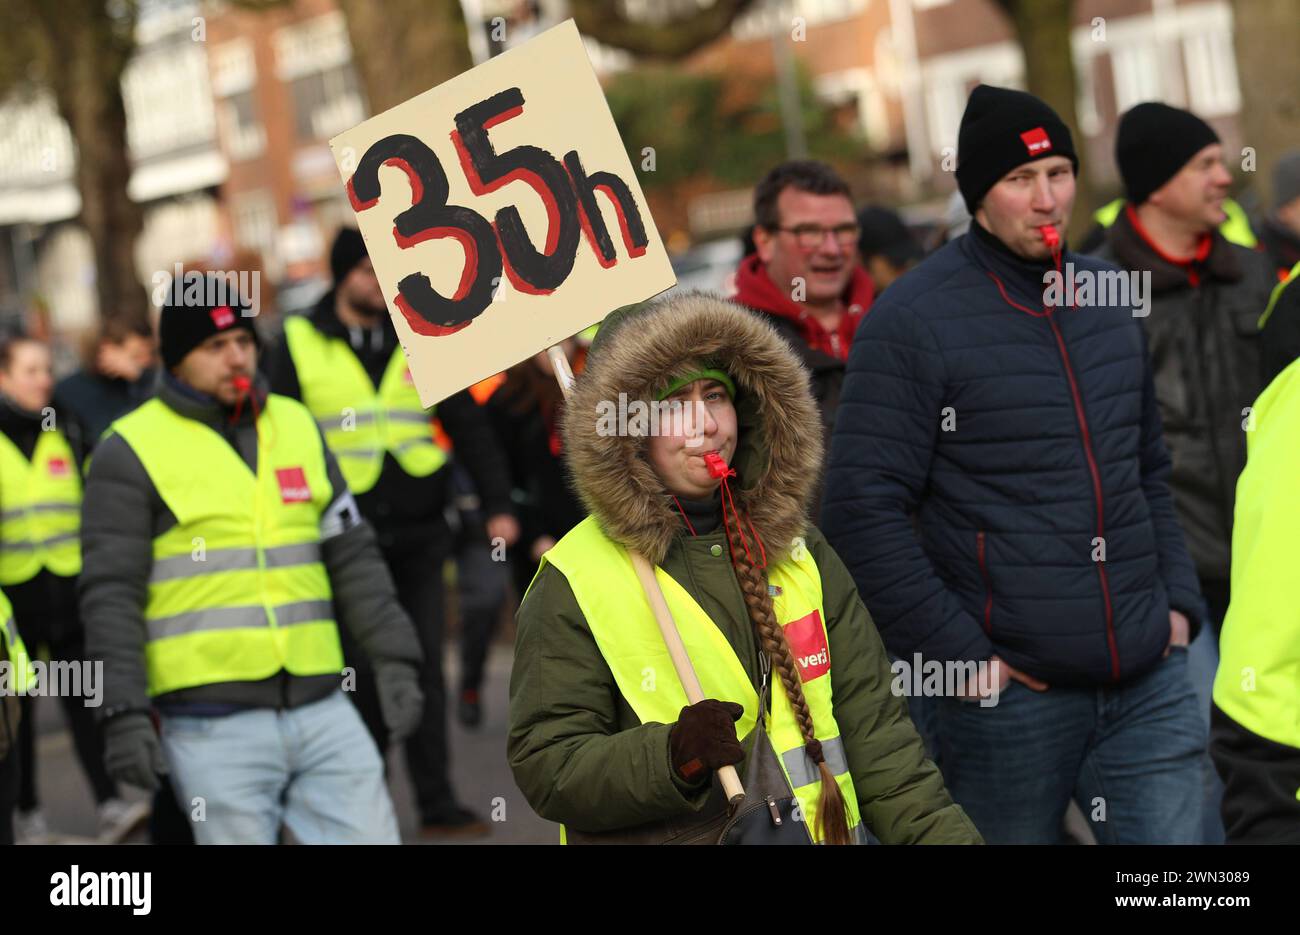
[361, 290]
[1027, 198]
[213, 366]
[1195, 195]
[794, 251]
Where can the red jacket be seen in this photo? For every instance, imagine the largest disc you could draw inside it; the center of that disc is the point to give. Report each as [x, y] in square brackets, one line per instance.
[755, 289]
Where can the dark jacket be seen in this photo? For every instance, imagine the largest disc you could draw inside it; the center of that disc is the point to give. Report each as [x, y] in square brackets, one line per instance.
[1022, 443]
[94, 401]
[1203, 335]
[123, 513]
[406, 511]
[544, 501]
[1281, 243]
[823, 354]
[578, 751]
[1280, 333]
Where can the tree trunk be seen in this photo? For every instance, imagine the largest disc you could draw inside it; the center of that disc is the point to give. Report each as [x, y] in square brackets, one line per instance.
[1043, 30]
[90, 51]
[403, 47]
[1266, 34]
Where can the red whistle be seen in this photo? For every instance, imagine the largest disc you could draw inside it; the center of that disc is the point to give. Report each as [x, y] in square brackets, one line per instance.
[717, 467]
[1050, 236]
[242, 383]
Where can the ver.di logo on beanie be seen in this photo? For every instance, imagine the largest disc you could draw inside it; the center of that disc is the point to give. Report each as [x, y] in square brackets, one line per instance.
[1036, 141]
[222, 317]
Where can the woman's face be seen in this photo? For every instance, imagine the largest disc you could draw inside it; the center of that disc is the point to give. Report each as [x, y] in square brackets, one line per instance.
[699, 419]
[28, 380]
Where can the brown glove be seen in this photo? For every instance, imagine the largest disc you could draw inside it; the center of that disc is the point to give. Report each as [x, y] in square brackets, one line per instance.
[704, 738]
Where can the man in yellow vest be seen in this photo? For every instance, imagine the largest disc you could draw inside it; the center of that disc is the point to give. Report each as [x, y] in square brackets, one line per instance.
[40, 558]
[344, 362]
[1255, 720]
[221, 545]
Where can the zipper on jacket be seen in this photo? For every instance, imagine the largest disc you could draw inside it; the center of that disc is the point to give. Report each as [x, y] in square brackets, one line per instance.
[988, 582]
[1096, 491]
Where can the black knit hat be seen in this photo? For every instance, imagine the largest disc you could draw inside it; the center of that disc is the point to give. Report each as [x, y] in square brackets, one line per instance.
[348, 250]
[1000, 130]
[1153, 144]
[190, 317]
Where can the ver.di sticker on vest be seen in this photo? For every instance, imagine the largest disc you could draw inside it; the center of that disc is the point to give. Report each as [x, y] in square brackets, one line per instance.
[58, 467]
[807, 638]
[293, 485]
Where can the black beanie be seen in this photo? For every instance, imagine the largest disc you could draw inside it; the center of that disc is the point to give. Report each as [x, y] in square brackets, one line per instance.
[1002, 129]
[1153, 144]
[190, 317]
[348, 250]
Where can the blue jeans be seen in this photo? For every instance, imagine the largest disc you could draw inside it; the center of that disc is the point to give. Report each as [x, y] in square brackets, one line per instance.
[1130, 755]
[314, 769]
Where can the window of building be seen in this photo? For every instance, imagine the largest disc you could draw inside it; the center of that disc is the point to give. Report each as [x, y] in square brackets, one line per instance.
[1137, 75]
[254, 220]
[1211, 73]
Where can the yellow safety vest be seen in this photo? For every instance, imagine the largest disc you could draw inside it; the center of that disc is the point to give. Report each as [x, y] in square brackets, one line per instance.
[1235, 227]
[22, 675]
[237, 591]
[1258, 680]
[608, 591]
[1277, 294]
[361, 423]
[40, 509]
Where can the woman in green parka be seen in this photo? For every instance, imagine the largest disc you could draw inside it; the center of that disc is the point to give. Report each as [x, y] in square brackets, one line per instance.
[713, 493]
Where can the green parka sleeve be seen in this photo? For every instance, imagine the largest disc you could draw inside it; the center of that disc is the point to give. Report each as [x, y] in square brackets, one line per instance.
[573, 755]
[900, 791]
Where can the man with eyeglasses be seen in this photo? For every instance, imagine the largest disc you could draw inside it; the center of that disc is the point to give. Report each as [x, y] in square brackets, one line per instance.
[804, 275]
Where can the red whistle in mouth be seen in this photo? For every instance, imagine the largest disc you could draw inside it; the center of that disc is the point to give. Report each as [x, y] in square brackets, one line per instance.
[242, 383]
[1050, 236]
[717, 467]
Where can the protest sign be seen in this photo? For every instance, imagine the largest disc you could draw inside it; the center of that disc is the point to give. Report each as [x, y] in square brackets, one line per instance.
[501, 213]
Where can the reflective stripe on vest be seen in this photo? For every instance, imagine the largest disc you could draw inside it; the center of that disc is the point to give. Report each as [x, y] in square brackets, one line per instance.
[40, 509]
[361, 423]
[607, 590]
[238, 590]
[1258, 680]
[21, 676]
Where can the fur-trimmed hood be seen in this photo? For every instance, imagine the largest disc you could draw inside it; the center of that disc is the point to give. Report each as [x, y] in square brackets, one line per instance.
[636, 352]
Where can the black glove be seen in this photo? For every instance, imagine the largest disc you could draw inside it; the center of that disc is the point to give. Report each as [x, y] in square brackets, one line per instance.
[400, 700]
[132, 752]
[704, 738]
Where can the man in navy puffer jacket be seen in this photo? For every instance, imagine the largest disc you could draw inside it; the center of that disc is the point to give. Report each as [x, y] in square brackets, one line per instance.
[1025, 441]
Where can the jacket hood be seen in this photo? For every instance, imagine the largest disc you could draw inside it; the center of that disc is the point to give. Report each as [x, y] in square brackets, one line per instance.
[779, 448]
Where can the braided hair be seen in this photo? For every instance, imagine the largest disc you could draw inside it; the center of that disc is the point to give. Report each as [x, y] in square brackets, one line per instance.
[832, 818]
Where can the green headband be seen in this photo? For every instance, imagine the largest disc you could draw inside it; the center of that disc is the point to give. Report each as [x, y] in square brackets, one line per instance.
[692, 376]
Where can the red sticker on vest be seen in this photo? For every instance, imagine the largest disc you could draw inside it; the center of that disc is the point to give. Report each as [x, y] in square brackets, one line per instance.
[807, 640]
[222, 316]
[58, 467]
[1036, 141]
[293, 485]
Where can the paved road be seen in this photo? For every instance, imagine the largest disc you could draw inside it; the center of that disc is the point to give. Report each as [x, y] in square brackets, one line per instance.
[479, 772]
